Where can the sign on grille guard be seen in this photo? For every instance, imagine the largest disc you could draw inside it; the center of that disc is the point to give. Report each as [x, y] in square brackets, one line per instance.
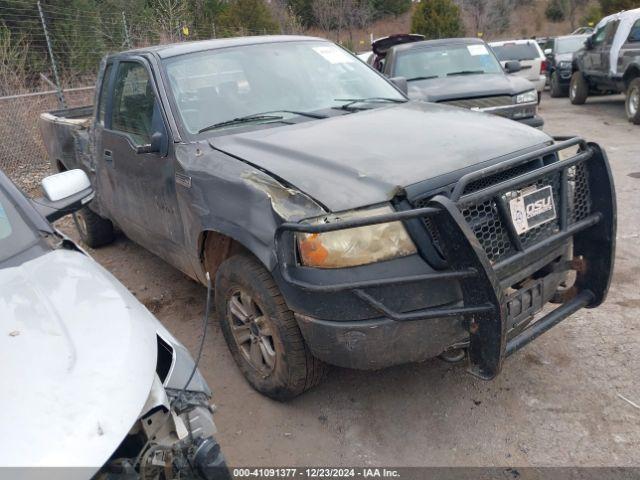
[484, 306]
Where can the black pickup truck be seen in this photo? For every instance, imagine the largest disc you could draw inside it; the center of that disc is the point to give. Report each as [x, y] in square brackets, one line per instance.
[610, 62]
[343, 223]
[463, 72]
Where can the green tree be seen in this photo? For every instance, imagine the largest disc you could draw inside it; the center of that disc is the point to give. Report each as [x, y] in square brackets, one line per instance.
[614, 6]
[554, 11]
[383, 8]
[437, 19]
[247, 16]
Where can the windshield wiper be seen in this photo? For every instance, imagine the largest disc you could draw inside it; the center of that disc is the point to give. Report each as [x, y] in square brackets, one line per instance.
[255, 117]
[465, 72]
[353, 101]
[241, 120]
[413, 79]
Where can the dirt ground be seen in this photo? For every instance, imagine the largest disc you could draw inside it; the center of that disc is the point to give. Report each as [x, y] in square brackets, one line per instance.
[558, 401]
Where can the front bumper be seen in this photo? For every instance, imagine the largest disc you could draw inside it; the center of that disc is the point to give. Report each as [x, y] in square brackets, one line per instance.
[495, 320]
[535, 122]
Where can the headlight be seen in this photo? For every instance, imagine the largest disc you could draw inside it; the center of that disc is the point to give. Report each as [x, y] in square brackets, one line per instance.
[565, 65]
[526, 97]
[354, 246]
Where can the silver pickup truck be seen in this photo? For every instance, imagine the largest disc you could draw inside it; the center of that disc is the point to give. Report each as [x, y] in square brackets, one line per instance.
[342, 222]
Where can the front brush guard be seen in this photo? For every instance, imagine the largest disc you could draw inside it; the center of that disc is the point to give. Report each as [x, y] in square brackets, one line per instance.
[484, 306]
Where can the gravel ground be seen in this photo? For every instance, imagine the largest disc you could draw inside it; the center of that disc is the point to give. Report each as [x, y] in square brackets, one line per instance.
[558, 402]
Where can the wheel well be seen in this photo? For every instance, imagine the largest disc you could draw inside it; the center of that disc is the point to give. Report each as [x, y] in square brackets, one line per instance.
[630, 74]
[215, 248]
[60, 166]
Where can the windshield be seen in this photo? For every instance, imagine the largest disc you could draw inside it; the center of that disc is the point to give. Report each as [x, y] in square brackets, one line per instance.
[569, 44]
[285, 78]
[516, 51]
[445, 60]
[16, 234]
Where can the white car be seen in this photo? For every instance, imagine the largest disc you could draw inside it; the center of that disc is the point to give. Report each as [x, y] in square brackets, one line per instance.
[93, 385]
[530, 56]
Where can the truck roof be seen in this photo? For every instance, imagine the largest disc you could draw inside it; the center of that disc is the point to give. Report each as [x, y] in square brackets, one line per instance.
[174, 49]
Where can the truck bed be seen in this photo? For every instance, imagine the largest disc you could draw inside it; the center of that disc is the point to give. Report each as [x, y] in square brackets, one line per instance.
[65, 134]
[78, 116]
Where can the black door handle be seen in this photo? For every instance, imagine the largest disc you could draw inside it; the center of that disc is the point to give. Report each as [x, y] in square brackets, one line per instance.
[108, 155]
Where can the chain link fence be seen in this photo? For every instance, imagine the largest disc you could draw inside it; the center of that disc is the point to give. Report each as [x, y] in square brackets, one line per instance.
[22, 154]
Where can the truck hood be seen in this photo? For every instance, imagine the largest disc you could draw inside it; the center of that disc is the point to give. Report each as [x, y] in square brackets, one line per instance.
[364, 158]
[78, 358]
[468, 86]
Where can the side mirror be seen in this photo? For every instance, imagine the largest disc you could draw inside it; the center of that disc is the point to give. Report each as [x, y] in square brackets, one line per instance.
[401, 83]
[156, 145]
[548, 52]
[64, 193]
[588, 43]
[512, 66]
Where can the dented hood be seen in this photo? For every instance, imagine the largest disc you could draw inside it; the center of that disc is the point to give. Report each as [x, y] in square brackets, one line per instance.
[77, 360]
[363, 158]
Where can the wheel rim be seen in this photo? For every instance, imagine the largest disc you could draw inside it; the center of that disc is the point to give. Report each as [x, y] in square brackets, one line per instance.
[574, 89]
[252, 332]
[634, 102]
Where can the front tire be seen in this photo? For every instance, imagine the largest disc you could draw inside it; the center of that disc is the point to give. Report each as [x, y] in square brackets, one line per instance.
[632, 102]
[261, 332]
[95, 231]
[578, 89]
[555, 89]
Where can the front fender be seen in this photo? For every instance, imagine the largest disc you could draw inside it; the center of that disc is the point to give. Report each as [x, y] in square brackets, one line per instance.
[235, 199]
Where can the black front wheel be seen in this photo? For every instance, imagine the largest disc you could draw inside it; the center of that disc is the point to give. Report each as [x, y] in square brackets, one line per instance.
[556, 90]
[578, 89]
[95, 231]
[261, 332]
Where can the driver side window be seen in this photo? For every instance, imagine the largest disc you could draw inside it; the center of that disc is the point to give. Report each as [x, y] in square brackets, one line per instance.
[601, 34]
[133, 103]
[634, 35]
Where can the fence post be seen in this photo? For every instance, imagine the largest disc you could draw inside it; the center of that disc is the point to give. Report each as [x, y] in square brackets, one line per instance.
[53, 60]
[127, 39]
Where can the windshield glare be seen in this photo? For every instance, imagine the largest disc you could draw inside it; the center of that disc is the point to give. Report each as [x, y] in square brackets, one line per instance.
[570, 45]
[445, 60]
[15, 234]
[516, 51]
[215, 86]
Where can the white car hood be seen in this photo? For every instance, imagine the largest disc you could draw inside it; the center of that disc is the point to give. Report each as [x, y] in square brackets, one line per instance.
[77, 361]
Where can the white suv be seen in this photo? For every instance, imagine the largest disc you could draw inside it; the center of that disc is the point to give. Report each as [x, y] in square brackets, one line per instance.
[530, 56]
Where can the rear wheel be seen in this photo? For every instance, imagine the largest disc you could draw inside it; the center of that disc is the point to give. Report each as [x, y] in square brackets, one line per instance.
[632, 103]
[555, 89]
[261, 332]
[95, 231]
[578, 89]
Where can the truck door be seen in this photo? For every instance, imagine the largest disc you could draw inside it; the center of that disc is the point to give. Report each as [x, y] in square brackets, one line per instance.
[142, 185]
[597, 57]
